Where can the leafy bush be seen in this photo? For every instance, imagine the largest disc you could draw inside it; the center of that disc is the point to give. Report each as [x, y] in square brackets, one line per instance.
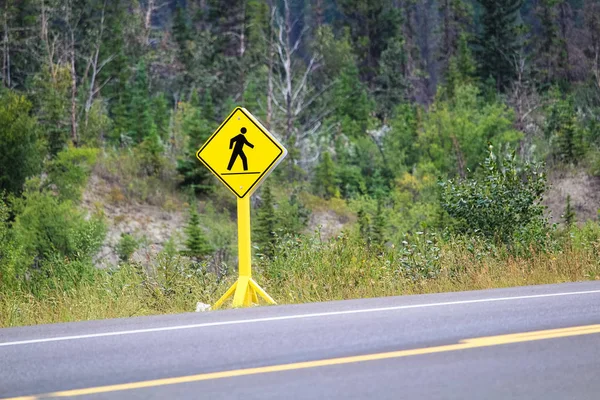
[56, 235]
[11, 255]
[418, 257]
[21, 150]
[501, 202]
[69, 171]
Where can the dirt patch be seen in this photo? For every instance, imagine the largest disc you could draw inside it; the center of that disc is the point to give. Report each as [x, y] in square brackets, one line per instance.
[583, 189]
[329, 223]
[152, 224]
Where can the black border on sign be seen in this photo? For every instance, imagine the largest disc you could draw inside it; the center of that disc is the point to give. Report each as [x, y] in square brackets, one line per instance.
[219, 130]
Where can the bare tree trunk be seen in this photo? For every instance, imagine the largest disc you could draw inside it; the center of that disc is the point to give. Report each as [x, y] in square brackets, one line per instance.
[148, 20]
[460, 160]
[288, 72]
[319, 13]
[242, 52]
[73, 92]
[6, 51]
[46, 40]
[270, 56]
[95, 67]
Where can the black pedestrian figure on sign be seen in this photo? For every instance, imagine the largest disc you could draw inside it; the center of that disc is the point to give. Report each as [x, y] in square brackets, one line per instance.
[240, 141]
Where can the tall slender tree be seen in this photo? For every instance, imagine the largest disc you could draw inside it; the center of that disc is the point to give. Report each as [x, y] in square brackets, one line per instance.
[499, 41]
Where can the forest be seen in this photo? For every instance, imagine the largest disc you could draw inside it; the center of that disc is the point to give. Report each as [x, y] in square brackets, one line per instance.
[424, 138]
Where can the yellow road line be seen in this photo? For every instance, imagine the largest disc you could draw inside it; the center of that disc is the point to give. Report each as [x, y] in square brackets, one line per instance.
[462, 345]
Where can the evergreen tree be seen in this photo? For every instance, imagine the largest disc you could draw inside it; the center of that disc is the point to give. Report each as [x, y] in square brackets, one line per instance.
[379, 224]
[364, 225]
[264, 234]
[197, 129]
[161, 114]
[391, 83]
[197, 245]
[325, 179]
[551, 53]
[140, 113]
[461, 68]
[373, 24]
[499, 40]
[456, 20]
[182, 34]
[564, 129]
[569, 215]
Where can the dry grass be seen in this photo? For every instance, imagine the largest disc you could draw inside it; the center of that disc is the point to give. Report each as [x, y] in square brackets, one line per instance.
[306, 271]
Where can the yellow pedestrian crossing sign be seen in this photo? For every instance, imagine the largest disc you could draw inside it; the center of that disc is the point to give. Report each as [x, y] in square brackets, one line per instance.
[241, 152]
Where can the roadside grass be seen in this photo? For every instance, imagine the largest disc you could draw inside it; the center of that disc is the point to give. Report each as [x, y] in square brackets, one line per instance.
[306, 269]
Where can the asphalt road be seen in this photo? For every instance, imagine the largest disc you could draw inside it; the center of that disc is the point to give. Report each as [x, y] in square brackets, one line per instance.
[409, 347]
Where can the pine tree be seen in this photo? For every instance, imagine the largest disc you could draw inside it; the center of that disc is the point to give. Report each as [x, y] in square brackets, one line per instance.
[197, 129]
[379, 224]
[456, 16]
[391, 82]
[325, 179]
[499, 41]
[552, 51]
[197, 245]
[564, 129]
[373, 24]
[364, 225]
[264, 234]
[569, 215]
[140, 113]
[461, 68]
[183, 37]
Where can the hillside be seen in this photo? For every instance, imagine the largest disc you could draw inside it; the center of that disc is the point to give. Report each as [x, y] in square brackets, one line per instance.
[455, 146]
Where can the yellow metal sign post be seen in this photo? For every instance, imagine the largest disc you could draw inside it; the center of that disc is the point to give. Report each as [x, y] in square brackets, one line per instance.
[242, 153]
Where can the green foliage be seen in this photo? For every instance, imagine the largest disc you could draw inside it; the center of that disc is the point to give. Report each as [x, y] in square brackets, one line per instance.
[49, 228]
[454, 132]
[149, 154]
[569, 214]
[499, 41]
[196, 126]
[196, 244]
[50, 93]
[325, 179]
[68, 173]
[364, 224]
[12, 259]
[418, 256]
[97, 127]
[461, 68]
[501, 202]
[391, 85]
[292, 215]
[398, 145]
[563, 129]
[379, 225]
[21, 150]
[126, 247]
[266, 222]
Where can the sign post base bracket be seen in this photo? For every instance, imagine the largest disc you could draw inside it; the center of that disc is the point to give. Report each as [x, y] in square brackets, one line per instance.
[245, 292]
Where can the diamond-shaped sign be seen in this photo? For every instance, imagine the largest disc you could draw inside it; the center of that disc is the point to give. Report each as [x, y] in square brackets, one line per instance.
[241, 152]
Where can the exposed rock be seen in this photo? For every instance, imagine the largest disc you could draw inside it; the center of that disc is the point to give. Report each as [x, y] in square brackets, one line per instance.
[202, 307]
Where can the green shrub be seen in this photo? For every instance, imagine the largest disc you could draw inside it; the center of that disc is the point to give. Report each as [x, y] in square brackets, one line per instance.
[418, 257]
[21, 150]
[501, 202]
[56, 235]
[68, 173]
[126, 247]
